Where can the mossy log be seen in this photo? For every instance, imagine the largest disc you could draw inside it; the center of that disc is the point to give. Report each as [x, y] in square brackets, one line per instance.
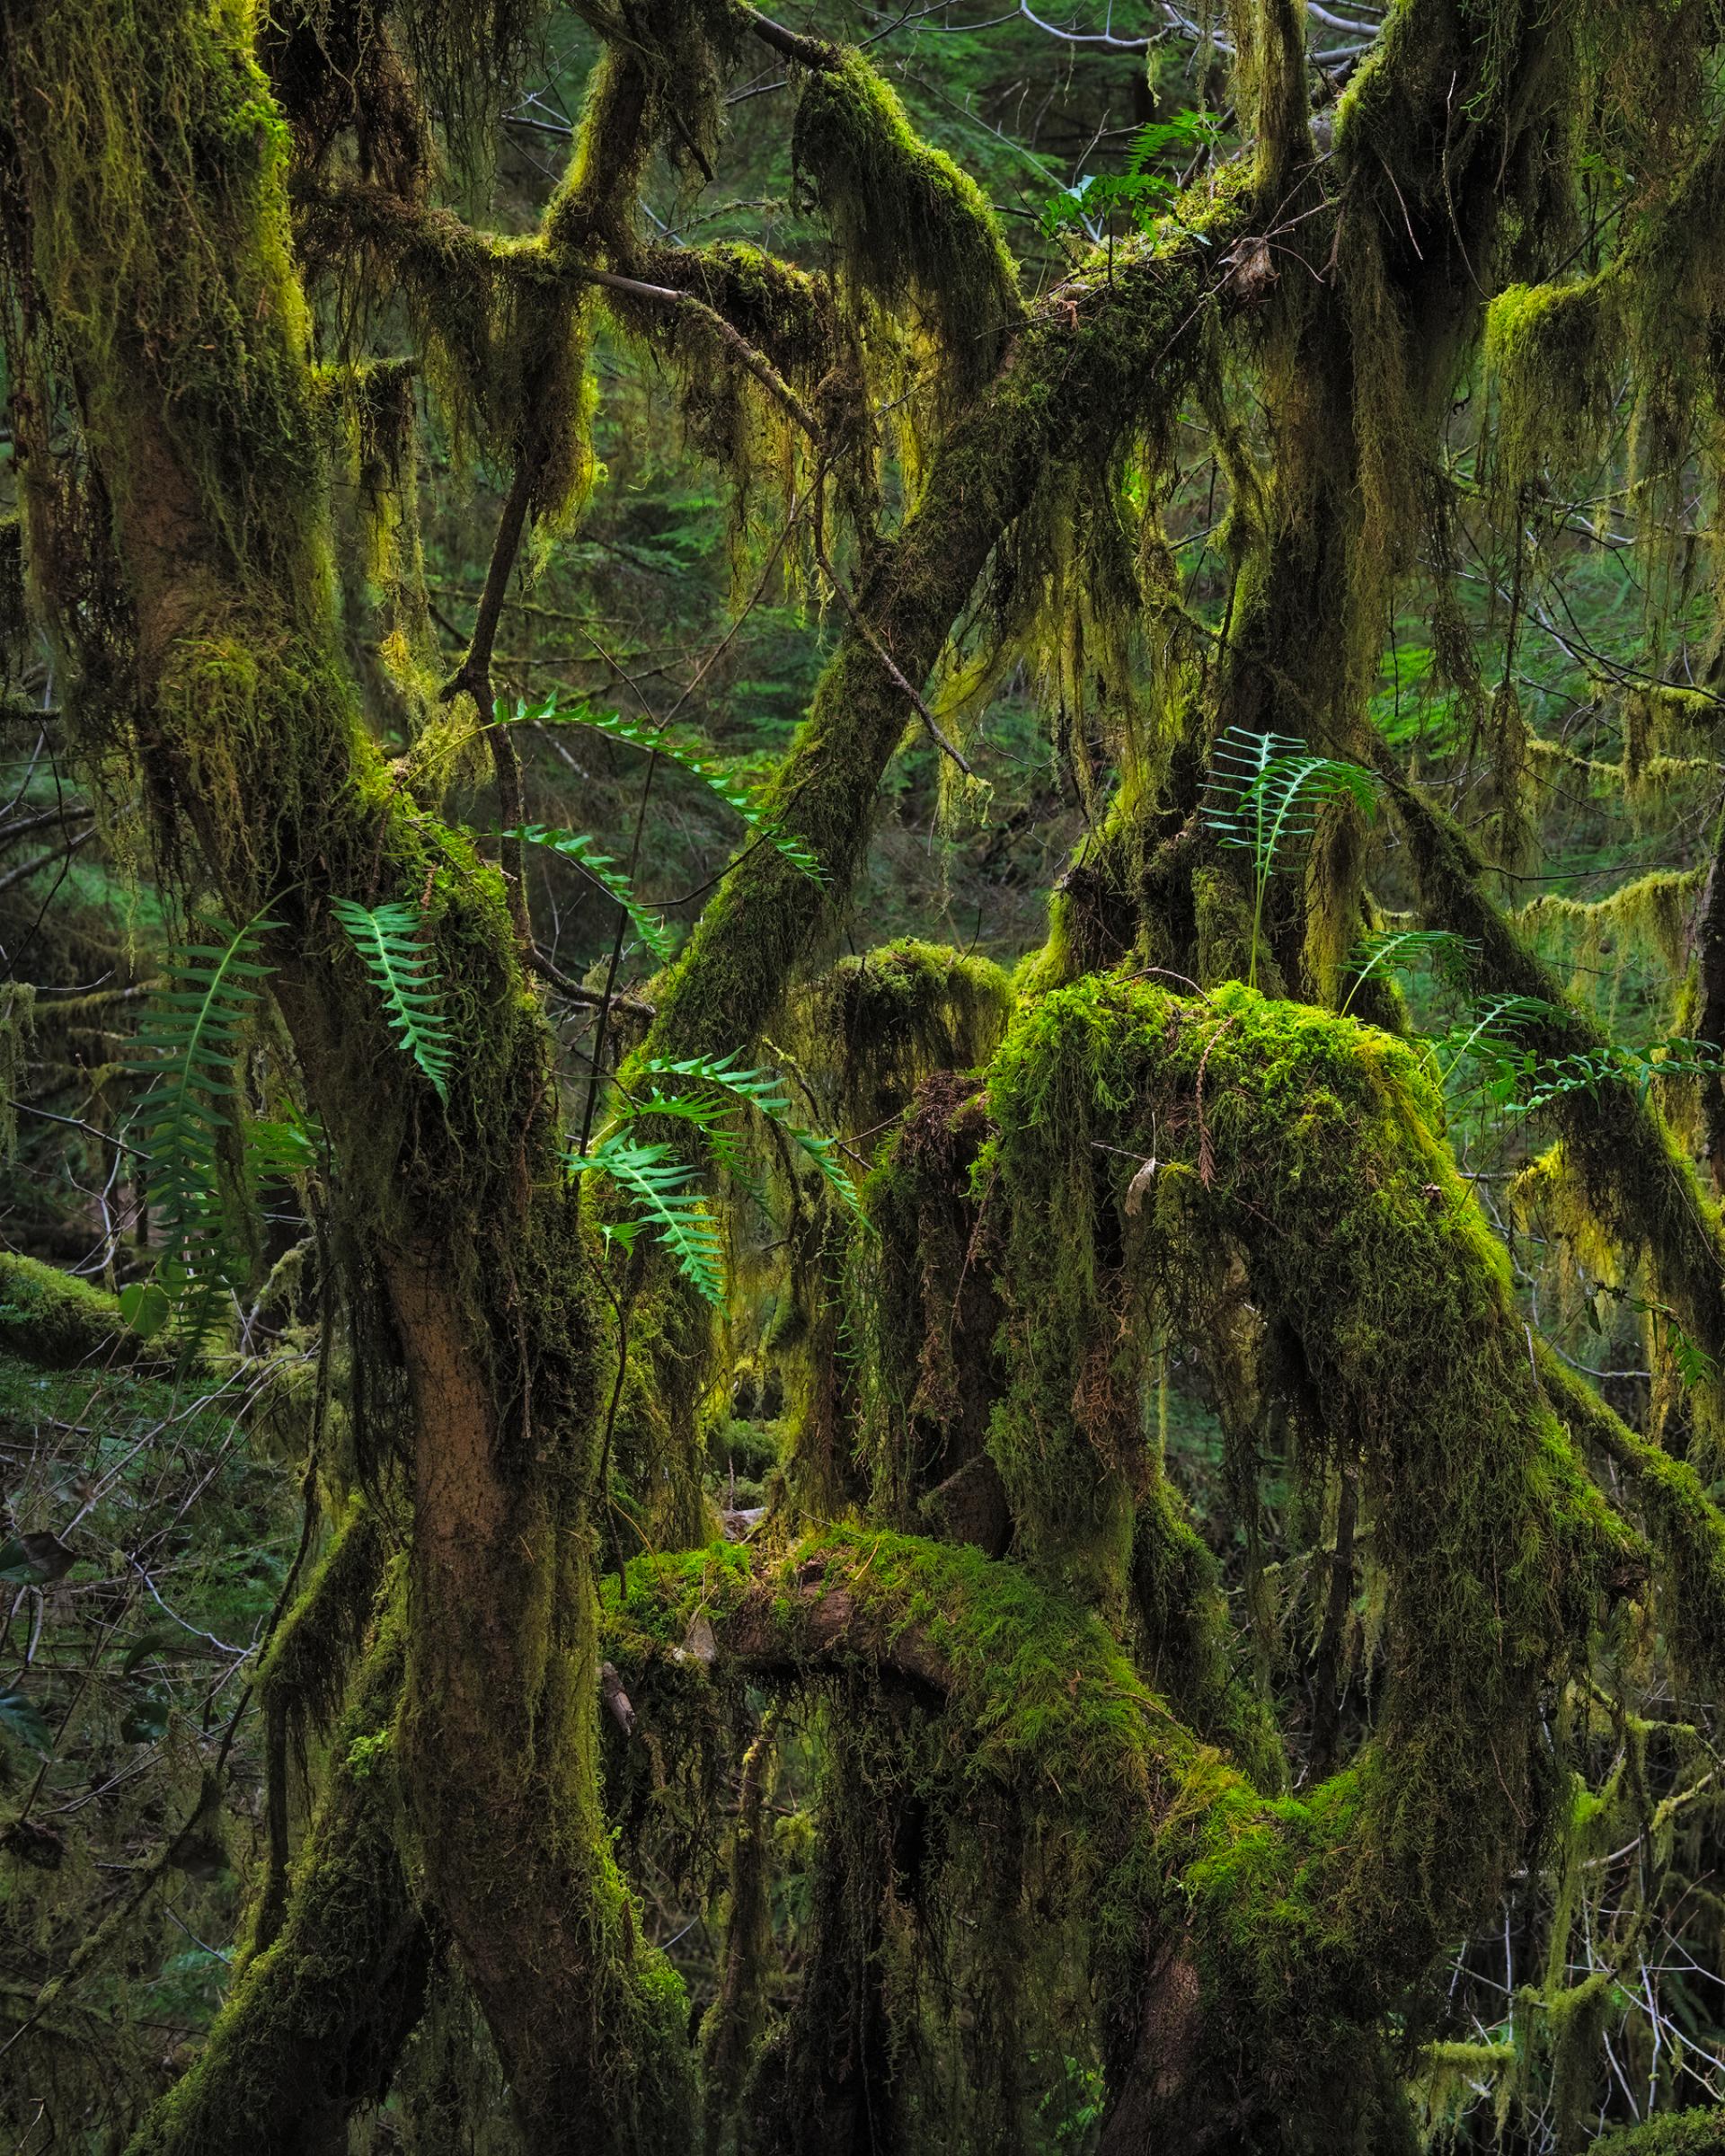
[57, 1320]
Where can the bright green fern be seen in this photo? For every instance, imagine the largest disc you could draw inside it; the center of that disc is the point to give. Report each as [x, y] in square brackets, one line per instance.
[708, 1094]
[762, 1090]
[711, 774]
[654, 930]
[667, 1204]
[1265, 794]
[1452, 955]
[405, 972]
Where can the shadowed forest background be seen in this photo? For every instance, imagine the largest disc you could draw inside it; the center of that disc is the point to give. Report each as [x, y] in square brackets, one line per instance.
[862, 1077]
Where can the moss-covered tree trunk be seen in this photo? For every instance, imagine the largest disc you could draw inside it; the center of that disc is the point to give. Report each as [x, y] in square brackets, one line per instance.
[155, 228]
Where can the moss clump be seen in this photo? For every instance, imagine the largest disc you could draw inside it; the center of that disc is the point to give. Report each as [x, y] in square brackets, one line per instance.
[1683, 2134]
[875, 1027]
[909, 226]
[1298, 1174]
[53, 1319]
[1551, 351]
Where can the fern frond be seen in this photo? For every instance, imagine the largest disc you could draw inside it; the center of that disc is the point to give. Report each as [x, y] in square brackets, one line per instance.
[1375, 953]
[711, 774]
[1265, 793]
[404, 973]
[756, 1088]
[654, 930]
[761, 1090]
[188, 1048]
[1265, 790]
[660, 1186]
[823, 1151]
[1489, 1029]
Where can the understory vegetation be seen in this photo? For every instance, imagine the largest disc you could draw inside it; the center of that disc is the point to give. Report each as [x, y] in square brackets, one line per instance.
[861, 1078]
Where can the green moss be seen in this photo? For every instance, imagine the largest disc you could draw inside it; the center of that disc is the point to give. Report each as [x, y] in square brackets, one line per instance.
[52, 1319]
[1313, 1182]
[874, 1027]
[1685, 1527]
[302, 1681]
[1681, 2133]
[1552, 350]
[921, 1304]
[908, 224]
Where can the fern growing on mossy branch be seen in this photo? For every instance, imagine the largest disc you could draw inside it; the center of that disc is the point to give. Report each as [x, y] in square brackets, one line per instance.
[654, 930]
[404, 973]
[1265, 792]
[667, 1204]
[1451, 955]
[713, 1090]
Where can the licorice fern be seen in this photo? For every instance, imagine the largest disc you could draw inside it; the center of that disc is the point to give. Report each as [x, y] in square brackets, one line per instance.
[654, 930]
[404, 973]
[1265, 792]
[711, 774]
[711, 1091]
[188, 1049]
[762, 1090]
[668, 1206]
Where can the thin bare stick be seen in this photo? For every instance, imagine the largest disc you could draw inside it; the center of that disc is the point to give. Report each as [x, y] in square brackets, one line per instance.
[474, 675]
[755, 362]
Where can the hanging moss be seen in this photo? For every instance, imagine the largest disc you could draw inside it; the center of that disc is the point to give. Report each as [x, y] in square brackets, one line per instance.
[921, 1285]
[1652, 911]
[909, 226]
[1685, 1527]
[1552, 353]
[302, 1683]
[314, 2026]
[1637, 1180]
[874, 1027]
[336, 72]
